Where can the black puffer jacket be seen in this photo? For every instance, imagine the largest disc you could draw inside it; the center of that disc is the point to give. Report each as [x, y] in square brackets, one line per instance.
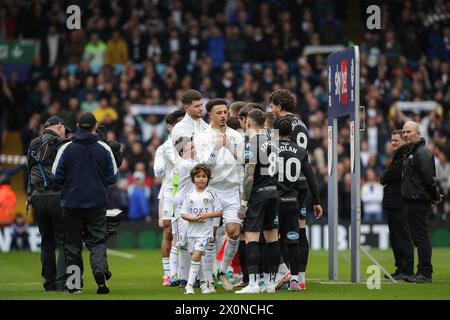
[392, 180]
[419, 173]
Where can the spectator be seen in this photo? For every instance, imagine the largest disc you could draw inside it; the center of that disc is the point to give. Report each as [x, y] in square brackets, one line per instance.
[139, 199]
[94, 52]
[116, 50]
[73, 48]
[52, 47]
[371, 197]
[105, 110]
[216, 47]
[19, 237]
[90, 104]
[7, 201]
[235, 45]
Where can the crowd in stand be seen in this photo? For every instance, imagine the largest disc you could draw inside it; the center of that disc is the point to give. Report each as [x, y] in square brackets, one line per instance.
[148, 52]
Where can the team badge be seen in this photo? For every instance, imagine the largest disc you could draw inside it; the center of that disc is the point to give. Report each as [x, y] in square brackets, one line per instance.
[205, 201]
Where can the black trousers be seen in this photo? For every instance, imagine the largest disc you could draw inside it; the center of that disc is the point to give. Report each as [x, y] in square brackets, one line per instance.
[48, 214]
[418, 215]
[401, 241]
[88, 225]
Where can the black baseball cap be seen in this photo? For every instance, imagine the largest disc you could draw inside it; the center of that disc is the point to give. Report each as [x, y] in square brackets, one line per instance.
[87, 121]
[55, 120]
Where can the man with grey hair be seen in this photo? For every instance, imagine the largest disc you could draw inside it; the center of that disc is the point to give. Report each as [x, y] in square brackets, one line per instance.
[419, 191]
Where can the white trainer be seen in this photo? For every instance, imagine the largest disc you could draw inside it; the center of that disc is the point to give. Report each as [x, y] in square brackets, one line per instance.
[249, 289]
[212, 287]
[189, 290]
[281, 279]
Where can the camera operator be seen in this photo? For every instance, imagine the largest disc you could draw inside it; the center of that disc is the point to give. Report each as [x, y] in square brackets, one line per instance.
[86, 166]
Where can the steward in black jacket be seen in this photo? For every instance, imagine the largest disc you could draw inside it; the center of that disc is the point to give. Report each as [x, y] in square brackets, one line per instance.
[419, 174]
[399, 233]
[419, 190]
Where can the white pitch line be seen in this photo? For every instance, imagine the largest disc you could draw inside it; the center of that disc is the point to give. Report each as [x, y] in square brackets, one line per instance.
[121, 254]
[21, 284]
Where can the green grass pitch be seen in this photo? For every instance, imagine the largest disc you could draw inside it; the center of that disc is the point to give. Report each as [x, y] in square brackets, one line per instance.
[138, 276]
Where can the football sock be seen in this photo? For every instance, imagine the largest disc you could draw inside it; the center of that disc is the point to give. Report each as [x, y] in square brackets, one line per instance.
[253, 257]
[242, 253]
[282, 268]
[185, 262]
[301, 277]
[201, 273]
[273, 259]
[230, 250]
[253, 279]
[166, 265]
[208, 261]
[173, 258]
[266, 278]
[193, 272]
[304, 249]
[294, 257]
[262, 258]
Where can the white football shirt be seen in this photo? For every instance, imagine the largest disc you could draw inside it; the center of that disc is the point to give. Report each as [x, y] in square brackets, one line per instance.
[196, 202]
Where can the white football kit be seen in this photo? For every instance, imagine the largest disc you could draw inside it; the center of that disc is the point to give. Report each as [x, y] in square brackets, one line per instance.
[227, 173]
[199, 233]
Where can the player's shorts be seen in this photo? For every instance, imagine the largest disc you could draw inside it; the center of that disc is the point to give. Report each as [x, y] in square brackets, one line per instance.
[289, 225]
[174, 219]
[261, 215]
[301, 197]
[197, 244]
[230, 205]
[167, 208]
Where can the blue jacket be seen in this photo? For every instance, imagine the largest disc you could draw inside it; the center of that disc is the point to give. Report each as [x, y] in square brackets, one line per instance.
[138, 204]
[85, 166]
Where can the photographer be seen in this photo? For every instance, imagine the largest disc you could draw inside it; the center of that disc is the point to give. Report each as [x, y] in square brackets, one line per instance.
[44, 195]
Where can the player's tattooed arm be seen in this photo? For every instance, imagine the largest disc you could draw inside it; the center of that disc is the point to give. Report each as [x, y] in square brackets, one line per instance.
[247, 186]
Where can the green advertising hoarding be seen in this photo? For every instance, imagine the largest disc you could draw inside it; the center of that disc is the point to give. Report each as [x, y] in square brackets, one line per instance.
[17, 51]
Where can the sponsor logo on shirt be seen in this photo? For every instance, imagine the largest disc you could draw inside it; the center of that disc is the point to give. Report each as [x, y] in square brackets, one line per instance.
[293, 235]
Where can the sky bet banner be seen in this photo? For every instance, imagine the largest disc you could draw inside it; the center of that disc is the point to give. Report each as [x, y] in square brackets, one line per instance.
[341, 84]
